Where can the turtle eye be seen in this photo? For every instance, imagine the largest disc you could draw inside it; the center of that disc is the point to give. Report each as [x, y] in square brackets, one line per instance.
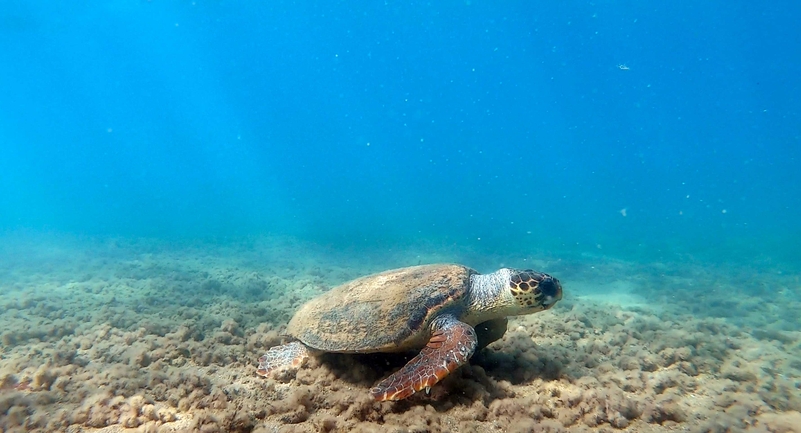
[551, 291]
[550, 287]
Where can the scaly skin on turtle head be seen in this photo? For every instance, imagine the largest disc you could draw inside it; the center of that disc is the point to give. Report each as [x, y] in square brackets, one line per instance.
[534, 291]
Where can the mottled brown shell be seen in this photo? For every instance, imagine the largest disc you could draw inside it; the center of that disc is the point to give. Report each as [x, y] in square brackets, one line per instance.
[383, 312]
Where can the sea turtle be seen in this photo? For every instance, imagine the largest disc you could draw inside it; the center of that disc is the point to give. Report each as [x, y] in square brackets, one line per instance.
[445, 311]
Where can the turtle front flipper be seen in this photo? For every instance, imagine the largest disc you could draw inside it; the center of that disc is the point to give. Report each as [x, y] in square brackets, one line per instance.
[452, 343]
[286, 356]
[490, 331]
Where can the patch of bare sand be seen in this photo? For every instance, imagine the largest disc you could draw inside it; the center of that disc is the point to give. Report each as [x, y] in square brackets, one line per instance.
[154, 341]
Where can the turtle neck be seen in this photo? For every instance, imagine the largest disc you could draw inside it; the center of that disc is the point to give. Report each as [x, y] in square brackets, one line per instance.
[489, 295]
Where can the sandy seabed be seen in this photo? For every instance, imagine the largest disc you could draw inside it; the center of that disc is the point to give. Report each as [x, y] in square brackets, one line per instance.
[127, 335]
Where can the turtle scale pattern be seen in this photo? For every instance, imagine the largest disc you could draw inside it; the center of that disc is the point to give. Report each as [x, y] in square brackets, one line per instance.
[386, 312]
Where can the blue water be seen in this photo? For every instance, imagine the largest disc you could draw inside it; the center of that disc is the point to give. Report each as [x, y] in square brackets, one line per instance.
[644, 130]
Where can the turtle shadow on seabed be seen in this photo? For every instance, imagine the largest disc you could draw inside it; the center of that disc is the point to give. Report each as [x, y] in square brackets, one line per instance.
[482, 379]
[518, 368]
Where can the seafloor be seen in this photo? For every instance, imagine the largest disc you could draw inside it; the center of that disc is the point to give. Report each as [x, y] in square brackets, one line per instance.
[127, 335]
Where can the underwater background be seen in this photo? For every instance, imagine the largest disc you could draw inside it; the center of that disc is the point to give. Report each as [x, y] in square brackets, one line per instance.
[520, 124]
[211, 165]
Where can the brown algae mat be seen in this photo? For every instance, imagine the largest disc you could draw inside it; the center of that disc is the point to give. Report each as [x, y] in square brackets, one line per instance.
[114, 336]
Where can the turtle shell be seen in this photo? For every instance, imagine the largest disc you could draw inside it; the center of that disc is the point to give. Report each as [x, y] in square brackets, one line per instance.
[384, 312]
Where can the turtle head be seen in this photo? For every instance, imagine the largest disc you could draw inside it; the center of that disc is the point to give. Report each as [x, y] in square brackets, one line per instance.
[533, 291]
[510, 292]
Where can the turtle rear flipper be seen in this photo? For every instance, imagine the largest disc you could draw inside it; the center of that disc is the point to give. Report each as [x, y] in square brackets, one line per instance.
[286, 356]
[452, 343]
